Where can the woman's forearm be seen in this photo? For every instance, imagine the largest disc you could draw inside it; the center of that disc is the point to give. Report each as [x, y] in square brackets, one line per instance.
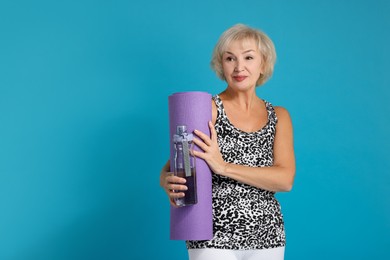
[274, 178]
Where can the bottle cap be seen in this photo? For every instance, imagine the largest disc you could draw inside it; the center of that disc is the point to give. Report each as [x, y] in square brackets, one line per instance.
[180, 129]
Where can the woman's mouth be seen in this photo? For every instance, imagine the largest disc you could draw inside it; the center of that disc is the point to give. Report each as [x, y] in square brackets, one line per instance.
[239, 78]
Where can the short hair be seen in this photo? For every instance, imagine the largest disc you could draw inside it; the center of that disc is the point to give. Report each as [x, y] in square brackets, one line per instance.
[243, 32]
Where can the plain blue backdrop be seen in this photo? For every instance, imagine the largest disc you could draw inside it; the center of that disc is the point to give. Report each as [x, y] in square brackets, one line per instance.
[84, 121]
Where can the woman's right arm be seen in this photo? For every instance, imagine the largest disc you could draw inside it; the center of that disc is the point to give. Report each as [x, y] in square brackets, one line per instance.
[171, 183]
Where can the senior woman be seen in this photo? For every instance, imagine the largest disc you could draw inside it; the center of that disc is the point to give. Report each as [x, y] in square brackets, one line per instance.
[250, 152]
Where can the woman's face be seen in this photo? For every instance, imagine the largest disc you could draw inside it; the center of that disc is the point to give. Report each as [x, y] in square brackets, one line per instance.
[242, 64]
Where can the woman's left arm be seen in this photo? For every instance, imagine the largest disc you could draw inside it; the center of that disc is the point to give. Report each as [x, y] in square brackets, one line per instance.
[279, 177]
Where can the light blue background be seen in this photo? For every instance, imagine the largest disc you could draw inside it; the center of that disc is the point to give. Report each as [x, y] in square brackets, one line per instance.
[84, 121]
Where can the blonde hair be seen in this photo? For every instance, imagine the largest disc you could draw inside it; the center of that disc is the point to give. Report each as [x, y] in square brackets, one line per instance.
[242, 32]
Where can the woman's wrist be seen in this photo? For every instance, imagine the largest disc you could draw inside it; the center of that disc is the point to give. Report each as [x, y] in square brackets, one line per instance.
[224, 169]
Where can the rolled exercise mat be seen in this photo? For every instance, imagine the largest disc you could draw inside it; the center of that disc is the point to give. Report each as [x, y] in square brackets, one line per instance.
[195, 222]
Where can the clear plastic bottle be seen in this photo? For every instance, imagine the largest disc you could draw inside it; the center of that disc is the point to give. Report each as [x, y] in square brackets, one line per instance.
[185, 165]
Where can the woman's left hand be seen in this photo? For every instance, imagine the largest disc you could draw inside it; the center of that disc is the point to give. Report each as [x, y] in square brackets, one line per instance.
[211, 153]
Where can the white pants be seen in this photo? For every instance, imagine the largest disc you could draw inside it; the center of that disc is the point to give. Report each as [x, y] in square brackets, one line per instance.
[226, 254]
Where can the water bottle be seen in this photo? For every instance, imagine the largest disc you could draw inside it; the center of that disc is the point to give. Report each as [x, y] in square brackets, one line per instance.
[185, 164]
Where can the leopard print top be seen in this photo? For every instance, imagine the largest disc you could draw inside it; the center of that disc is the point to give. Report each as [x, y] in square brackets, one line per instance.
[244, 217]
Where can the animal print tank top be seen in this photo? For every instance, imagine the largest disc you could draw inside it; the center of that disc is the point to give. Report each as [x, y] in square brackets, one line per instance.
[244, 217]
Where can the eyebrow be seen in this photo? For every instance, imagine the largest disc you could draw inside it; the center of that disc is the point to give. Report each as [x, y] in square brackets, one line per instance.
[250, 50]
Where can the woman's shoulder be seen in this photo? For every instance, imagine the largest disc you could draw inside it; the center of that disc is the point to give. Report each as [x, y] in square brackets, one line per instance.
[282, 114]
[281, 110]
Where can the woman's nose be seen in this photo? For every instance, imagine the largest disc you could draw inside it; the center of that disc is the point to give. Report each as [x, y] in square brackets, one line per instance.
[238, 66]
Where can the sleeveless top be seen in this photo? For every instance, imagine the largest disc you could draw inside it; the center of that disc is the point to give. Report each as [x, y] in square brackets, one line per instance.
[244, 217]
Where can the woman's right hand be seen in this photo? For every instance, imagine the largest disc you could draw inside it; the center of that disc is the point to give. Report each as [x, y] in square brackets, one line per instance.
[172, 183]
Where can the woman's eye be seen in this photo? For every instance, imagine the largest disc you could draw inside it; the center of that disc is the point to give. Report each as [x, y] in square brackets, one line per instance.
[249, 58]
[229, 58]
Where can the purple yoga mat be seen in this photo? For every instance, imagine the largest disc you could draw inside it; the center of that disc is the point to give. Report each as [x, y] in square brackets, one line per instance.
[192, 222]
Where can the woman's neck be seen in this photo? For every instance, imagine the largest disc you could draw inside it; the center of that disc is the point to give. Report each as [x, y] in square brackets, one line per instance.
[243, 100]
